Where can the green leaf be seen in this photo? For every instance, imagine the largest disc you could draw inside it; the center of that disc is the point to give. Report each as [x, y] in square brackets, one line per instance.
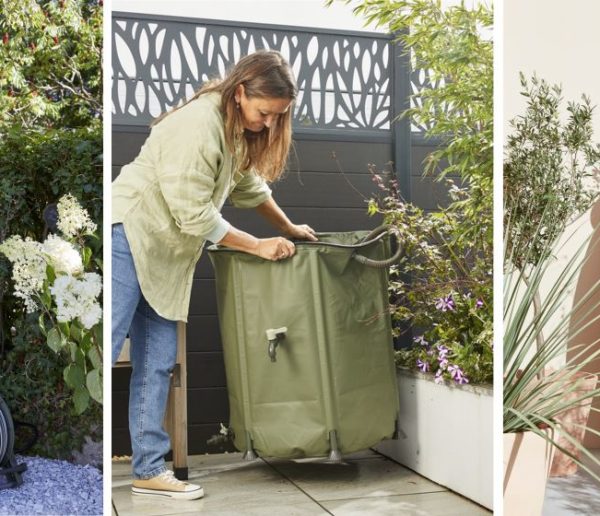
[86, 341]
[81, 400]
[80, 358]
[73, 350]
[45, 296]
[86, 255]
[65, 329]
[97, 330]
[42, 325]
[94, 384]
[75, 332]
[50, 274]
[74, 376]
[95, 358]
[55, 340]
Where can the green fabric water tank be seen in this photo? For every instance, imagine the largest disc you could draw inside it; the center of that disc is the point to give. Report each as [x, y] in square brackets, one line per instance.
[325, 383]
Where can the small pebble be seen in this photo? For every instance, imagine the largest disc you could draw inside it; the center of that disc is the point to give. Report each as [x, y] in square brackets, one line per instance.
[54, 487]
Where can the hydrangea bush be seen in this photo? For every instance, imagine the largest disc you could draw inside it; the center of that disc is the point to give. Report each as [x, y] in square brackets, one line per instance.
[59, 280]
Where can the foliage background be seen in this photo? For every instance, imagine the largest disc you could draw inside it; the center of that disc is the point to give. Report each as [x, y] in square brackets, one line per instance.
[50, 144]
[450, 252]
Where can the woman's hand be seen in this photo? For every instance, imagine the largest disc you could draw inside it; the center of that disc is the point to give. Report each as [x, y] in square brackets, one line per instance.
[277, 248]
[301, 232]
[275, 215]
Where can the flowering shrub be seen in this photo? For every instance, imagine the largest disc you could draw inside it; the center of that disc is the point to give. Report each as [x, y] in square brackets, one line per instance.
[441, 289]
[56, 279]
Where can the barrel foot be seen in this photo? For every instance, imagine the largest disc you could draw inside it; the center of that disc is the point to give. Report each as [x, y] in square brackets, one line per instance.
[249, 454]
[334, 454]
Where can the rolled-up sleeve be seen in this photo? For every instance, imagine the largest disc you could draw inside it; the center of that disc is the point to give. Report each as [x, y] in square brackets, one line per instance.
[251, 191]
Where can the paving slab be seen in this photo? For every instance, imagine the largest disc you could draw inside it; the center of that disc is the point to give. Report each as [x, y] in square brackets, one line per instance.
[232, 486]
[374, 476]
[366, 483]
[443, 503]
[573, 495]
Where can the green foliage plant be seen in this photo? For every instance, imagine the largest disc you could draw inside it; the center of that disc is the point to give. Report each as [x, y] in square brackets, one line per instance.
[50, 143]
[550, 175]
[548, 183]
[50, 63]
[445, 291]
[32, 383]
[442, 289]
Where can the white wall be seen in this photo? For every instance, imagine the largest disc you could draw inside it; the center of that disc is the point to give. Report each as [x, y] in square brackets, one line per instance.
[560, 41]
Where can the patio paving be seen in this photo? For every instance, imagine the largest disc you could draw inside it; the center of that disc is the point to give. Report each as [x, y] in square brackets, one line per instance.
[365, 483]
[573, 495]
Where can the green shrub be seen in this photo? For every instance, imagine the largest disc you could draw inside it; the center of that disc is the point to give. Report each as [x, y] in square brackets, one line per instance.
[445, 290]
[37, 168]
[50, 145]
[31, 383]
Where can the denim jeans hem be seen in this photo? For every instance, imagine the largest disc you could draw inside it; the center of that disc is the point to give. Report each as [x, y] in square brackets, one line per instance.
[155, 472]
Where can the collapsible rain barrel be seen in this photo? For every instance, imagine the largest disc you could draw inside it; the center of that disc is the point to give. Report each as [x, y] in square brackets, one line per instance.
[307, 343]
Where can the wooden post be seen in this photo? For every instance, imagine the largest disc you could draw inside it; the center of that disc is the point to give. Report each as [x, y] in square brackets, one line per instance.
[176, 414]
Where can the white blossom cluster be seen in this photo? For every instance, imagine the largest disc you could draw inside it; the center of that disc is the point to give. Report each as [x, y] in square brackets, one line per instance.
[75, 292]
[29, 268]
[72, 218]
[62, 256]
[77, 298]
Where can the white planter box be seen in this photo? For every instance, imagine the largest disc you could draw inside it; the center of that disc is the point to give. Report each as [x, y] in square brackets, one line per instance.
[445, 434]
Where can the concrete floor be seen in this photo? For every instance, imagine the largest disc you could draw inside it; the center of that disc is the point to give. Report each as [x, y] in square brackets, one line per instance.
[574, 495]
[366, 483]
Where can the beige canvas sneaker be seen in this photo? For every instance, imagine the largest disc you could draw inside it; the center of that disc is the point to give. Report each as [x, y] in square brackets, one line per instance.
[166, 485]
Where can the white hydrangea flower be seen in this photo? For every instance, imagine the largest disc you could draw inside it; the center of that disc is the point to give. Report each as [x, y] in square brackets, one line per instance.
[72, 218]
[77, 298]
[91, 317]
[29, 268]
[62, 255]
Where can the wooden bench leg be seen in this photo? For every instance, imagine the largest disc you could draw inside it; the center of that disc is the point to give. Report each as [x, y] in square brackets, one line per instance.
[176, 415]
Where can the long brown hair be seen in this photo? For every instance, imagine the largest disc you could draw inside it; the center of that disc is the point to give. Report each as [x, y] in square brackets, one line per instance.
[264, 74]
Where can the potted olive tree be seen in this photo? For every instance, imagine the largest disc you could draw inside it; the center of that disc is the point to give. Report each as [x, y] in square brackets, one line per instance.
[548, 182]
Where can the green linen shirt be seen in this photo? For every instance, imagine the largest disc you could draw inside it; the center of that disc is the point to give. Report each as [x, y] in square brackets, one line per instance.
[170, 197]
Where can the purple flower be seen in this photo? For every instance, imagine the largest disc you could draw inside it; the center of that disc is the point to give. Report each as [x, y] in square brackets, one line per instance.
[445, 304]
[443, 363]
[443, 351]
[457, 375]
[479, 303]
[438, 377]
[423, 366]
[420, 340]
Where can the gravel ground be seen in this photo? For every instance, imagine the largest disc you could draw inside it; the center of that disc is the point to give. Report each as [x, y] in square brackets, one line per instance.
[54, 487]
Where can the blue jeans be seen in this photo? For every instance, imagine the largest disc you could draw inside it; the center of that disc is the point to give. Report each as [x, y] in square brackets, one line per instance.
[153, 353]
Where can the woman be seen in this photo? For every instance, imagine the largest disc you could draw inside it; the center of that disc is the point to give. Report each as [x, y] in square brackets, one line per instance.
[229, 140]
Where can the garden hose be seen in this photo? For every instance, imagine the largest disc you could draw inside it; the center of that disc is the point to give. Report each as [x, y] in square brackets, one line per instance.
[373, 236]
[10, 470]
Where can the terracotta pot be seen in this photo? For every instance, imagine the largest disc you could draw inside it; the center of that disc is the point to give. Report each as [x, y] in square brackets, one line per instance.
[563, 465]
[527, 459]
